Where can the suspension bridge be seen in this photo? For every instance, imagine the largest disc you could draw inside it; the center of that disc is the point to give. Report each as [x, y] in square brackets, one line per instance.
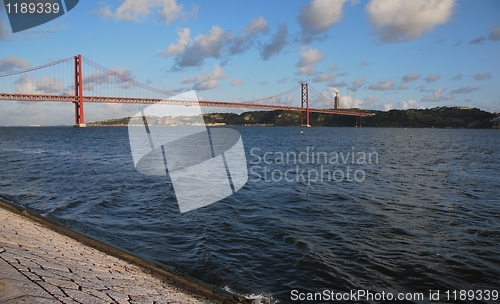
[79, 80]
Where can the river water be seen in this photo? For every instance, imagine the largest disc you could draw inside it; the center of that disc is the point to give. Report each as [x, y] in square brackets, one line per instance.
[415, 210]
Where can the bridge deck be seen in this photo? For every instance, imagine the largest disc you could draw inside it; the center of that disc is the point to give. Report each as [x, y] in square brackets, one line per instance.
[203, 103]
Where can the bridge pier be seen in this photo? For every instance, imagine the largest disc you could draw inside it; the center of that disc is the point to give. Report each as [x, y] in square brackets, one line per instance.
[304, 114]
[79, 114]
[359, 121]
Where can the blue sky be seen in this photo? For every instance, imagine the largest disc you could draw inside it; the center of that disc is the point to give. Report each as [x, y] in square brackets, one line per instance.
[379, 54]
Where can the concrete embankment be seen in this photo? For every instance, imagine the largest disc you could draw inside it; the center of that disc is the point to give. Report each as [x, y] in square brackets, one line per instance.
[41, 262]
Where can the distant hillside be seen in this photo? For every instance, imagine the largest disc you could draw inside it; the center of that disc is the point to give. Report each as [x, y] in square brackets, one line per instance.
[443, 117]
[110, 122]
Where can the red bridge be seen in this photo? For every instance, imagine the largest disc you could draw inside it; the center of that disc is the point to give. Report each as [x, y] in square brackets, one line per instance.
[48, 85]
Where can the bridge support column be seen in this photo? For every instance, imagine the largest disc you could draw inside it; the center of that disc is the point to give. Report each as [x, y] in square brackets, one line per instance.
[359, 121]
[79, 114]
[304, 114]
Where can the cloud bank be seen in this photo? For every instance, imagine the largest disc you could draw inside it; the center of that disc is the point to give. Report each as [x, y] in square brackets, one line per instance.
[399, 21]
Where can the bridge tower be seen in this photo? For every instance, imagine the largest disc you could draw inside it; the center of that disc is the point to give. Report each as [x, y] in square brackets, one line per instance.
[79, 114]
[304, 114]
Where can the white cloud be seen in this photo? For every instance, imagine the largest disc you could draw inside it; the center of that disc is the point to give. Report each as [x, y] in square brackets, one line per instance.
[43, 113]
[478, 40]
[411, 77]
[211, 43]
[102, 111]
[288, 100]
[206, 81]
[103, 12]
[241, 43]
[464, 90]
[432, 78]
[382, 85]
[369, 100]
[484, 76]
[411, 104]
[324, 77]
[388, 106]
[332, 67]
[494, 33]
[118, 75]
[27, 84]
[132, 10]
[172, 11]
[346, 101]
[278, 42]
[328, 94]
[4, 31]
[135, 10]
[204, 46]
[422, 89]
[364, 63]
[397, 21]
[236, 82]
[49, 85]
[358, 83]
[457, 77]
[309, 58]
[437, 95]
[350, 101]
[318, 16]
[238, 44]
[189, 52]
[337, 84]
[42, 33]
[10, 62]
[403, 86]
[257, 25]
[179, 47]
[406, 79]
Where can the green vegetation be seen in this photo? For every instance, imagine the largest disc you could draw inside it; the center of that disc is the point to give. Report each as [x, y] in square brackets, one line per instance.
[274, 118]
[443, 117]
[279, 118]
[110, 122]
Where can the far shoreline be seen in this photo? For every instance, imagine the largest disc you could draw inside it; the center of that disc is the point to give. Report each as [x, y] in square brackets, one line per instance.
[274, 126]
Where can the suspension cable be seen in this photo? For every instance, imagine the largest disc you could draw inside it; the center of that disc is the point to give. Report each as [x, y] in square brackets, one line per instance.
[36, 68]
[126, 79]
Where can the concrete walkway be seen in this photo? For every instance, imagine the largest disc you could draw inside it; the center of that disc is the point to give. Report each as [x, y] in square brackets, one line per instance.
[39, 265]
